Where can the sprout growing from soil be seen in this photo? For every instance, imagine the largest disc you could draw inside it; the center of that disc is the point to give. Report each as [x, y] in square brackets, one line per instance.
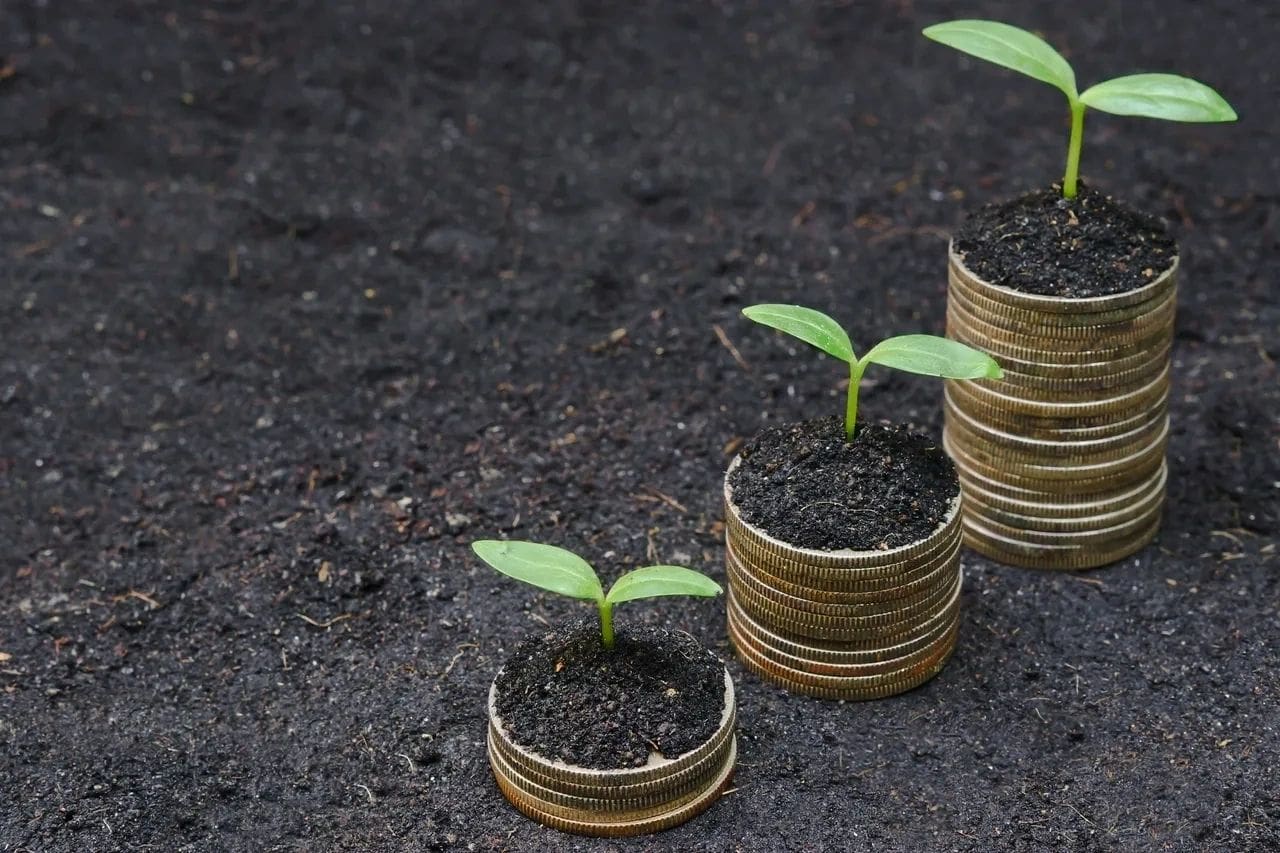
[564, 572]
[1165, 96]
[927, 355]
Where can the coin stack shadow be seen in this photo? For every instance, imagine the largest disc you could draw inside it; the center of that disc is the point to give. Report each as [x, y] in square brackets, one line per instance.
[1062, 461]
[842, 624]
[614, 803]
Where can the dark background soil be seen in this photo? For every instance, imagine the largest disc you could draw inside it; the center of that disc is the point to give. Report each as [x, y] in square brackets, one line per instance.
[301, 298]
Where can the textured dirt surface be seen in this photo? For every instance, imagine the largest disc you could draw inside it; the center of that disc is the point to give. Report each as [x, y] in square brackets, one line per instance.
[565, 696]
[301, 298]
[1040, 242]
[806, 484]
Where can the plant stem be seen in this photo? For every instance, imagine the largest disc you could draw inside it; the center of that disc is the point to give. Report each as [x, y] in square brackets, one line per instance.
[606, 622]
[851, 404]
[1073, 150]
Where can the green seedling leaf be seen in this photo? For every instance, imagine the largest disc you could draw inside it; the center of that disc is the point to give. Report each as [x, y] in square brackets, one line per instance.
[1009, 47]
[812, 327]
[1165, 96]
[934, 356]
[544, 566]
[655, 581]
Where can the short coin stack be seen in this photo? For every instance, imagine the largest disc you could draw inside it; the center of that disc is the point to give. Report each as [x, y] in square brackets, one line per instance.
[614, 803]
[1062, 461]
[843, 624]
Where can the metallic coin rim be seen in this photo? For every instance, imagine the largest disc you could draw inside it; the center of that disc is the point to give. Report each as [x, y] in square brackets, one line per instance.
[1085, 370]
[1065, 329]
[1110, 383]
[1122, 531]
[1050, 524]
[847, 653]
[669, 785]
[1061, 304]
[1035, 352]
[824, 668]
[1036, 439]
[622, 829]
[1052, 504]
[863, 694]
[861, 564]
[805, 573]
[1070, 341]
[836, 609]
[1057, 455]
[984, 441]
[802, 621]
[870, 634]
[658, 768]
[999, 311]
[913, 580]
[978, 396]
[1124, 471]
[580, 806]
[1050, 559]
[1062, 429]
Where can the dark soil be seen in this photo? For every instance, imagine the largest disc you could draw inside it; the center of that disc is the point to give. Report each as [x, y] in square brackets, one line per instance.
[301, 298]
[805, 484]
[1091, 245]
[564, 695]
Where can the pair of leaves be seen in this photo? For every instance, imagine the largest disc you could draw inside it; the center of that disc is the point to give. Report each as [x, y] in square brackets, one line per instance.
[923, 354]
[564, 572]
[1162, 96]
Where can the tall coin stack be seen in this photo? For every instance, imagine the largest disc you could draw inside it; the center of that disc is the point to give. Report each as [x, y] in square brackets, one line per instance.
[614, 803]
[842, 624]
[1062, 462]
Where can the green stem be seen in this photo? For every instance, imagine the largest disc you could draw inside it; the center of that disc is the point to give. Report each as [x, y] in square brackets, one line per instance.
[606, 622]
[851, 404]
[1073, 150]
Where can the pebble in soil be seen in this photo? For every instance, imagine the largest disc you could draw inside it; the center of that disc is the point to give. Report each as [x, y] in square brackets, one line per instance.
[563, 695]
[1042, 243]
[805, 484]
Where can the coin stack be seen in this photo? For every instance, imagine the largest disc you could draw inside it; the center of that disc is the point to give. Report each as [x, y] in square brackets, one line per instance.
[614, 803]
[1062, 462]
[842, 624]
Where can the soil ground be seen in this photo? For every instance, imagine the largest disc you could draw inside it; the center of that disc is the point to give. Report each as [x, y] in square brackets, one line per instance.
[301, 298]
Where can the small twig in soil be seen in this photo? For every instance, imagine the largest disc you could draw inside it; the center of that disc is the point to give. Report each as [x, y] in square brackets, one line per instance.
[1093, 581]
[328, 622]
[728, 344]
[462, 649]
[655, 495]
[142, 596]
[367, 792]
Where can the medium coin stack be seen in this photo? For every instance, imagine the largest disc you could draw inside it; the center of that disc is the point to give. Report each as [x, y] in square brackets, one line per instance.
[1062, 462]
[842, 624]
[614, 803]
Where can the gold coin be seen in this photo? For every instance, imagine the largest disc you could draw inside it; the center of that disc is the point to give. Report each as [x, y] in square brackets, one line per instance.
[867, 630]
[978, 399]
[1060, 304]
[621, 826]
[988, 444]
[1057, 429]
[1072, 506]
[1118, 472]
[814, 667]
[913, 581]
[1036, 351]
[875, 650]
[759, 547]
[580, 807]
[994, 308]
[835, 609]
[835, 688]
[1111, 384]
[591, 779]
[1064, 330]
[1033, 556]
[1083, 370]
[1037, 535]
[1154, 327]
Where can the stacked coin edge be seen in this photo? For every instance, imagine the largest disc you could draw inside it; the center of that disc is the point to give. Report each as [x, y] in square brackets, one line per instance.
[614, 803]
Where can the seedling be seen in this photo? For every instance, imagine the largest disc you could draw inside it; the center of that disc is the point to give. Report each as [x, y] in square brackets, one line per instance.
[564, 572]
[1165, 96]
[924, 354]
